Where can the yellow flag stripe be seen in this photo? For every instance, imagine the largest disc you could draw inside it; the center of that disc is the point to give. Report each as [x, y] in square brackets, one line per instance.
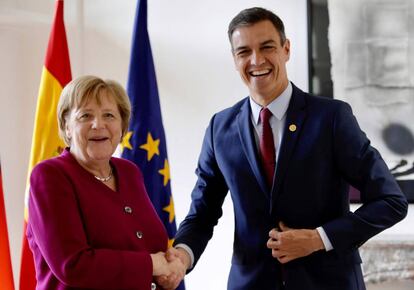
[46, 142]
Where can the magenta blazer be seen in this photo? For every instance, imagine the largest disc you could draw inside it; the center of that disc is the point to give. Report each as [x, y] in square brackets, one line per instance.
[84, 235]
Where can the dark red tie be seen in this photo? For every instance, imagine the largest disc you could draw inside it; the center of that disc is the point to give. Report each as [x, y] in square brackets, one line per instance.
[267, 146]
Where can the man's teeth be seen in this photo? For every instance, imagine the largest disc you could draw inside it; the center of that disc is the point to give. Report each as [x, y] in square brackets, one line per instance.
[260, 72]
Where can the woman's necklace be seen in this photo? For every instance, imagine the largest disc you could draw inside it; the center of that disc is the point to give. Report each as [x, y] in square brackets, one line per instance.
[105, 179]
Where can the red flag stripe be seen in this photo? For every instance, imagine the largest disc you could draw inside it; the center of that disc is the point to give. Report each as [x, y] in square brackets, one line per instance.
[57, 56]
[27, 270]
[6, 273]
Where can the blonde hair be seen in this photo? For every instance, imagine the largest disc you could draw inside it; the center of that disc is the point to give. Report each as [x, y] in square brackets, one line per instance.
[83, 89]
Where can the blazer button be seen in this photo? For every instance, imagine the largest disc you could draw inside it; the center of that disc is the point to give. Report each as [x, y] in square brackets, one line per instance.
[153, 286]
[128, 209]
[139, 234]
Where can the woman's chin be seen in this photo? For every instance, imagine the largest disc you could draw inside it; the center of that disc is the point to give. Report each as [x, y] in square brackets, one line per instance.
[100, 155]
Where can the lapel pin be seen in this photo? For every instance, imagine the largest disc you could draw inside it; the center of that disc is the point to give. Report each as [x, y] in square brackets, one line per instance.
[292, 128]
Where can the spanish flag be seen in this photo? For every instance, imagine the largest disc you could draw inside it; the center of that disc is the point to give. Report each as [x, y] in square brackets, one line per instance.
[6, 274]
[45, 141]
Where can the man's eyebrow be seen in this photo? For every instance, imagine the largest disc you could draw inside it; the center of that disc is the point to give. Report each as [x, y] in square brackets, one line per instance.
[243, 47]
[270, 41]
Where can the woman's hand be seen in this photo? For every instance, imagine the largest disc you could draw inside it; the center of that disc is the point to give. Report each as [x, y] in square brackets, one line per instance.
[160, 265]
[177, 272]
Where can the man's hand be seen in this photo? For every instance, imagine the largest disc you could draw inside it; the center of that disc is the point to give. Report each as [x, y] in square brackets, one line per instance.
[181, 254]
[288, 244]
[178, 261]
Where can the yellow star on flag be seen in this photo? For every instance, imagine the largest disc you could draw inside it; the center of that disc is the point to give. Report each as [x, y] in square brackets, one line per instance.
[170, 243]
[170, 209]
[125, 141]
[165, 172]
[151, 146]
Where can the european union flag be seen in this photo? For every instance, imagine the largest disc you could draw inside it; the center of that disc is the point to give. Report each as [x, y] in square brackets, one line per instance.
[144, 144]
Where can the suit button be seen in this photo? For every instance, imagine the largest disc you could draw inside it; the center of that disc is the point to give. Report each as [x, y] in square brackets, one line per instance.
[128, 209]
[139, 234]
[153, 286]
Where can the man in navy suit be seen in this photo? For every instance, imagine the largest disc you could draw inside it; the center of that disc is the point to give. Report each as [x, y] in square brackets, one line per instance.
[293, 226]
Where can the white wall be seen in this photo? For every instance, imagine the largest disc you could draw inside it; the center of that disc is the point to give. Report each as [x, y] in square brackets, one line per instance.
[196, 78]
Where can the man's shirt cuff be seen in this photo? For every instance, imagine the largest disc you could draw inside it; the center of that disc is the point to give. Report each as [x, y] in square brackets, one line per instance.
[325, 240]
[189, 251]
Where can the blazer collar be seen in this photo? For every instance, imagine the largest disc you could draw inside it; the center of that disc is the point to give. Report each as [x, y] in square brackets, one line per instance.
[296, 116]
[245, 128]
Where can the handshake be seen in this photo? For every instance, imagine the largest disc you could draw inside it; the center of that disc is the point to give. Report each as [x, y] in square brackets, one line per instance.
[169, 268]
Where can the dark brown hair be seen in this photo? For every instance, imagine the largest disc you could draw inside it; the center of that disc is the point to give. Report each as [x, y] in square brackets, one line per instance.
[253, 15]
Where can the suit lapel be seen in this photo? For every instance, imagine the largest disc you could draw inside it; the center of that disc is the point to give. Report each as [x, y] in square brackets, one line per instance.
[249, 145]
[295, 118]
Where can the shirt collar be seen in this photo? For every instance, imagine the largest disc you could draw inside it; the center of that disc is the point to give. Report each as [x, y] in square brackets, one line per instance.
[278, 106]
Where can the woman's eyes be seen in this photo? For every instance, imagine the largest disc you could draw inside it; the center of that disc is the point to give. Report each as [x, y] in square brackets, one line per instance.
[84, 116]
[88, 116]
[109, 115]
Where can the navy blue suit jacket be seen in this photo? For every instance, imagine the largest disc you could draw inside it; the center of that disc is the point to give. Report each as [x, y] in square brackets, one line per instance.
[317, 162]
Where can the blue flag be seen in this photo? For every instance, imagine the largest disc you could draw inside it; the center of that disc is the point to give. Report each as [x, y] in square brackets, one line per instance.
[144, 144]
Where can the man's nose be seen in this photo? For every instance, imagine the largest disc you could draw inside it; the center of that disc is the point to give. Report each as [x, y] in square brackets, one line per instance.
[257, 58]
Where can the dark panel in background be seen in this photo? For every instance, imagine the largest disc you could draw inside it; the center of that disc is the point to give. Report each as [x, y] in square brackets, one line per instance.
[320, 81]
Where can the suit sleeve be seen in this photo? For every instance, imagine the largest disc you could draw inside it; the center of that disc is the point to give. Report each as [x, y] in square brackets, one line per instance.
[58, 233]
[207, 199]
[362, 166]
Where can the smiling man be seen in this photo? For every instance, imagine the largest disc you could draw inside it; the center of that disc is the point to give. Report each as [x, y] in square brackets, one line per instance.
[260, 55]
[287, 158]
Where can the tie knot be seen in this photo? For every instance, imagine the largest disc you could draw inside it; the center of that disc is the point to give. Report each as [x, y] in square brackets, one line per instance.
[265, 115]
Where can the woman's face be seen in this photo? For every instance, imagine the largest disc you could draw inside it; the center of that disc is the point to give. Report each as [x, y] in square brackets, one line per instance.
[94, 130]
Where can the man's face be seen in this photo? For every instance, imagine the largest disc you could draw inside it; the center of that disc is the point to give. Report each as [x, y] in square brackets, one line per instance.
[261, 60]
